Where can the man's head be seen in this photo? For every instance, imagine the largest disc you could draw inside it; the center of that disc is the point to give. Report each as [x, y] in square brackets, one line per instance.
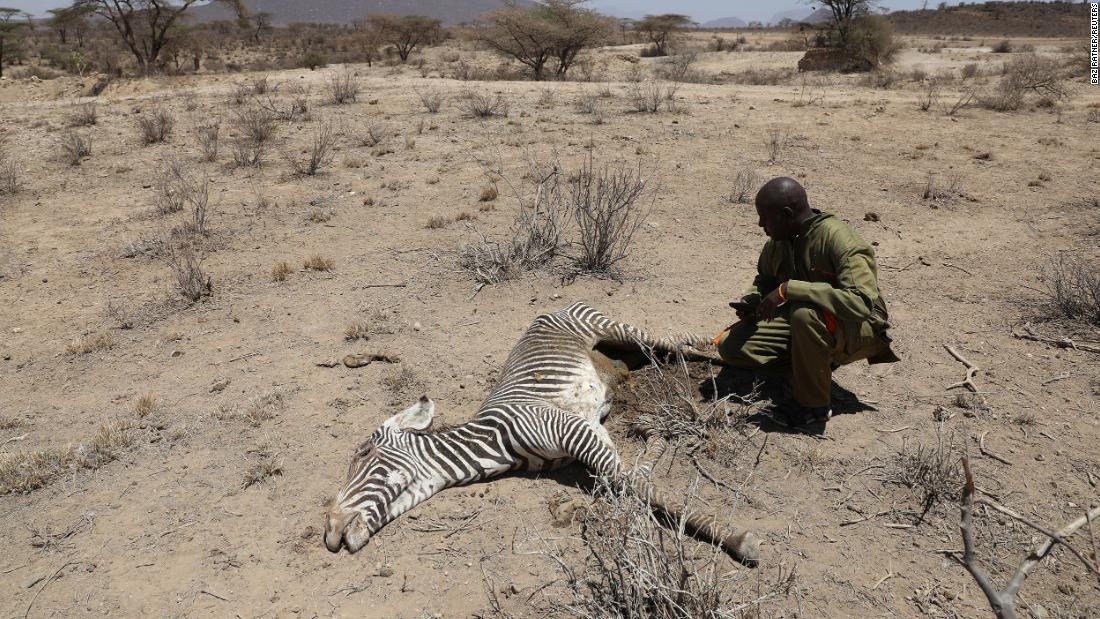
[782, 206]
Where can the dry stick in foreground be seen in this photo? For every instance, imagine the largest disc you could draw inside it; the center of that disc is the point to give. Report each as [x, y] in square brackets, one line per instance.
[971, 371]
[1030, 334]
[1003, 602]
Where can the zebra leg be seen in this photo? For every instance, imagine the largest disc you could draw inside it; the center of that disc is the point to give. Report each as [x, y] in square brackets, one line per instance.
[598, 454]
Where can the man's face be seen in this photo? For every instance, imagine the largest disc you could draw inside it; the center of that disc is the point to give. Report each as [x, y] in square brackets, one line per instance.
[775, 220]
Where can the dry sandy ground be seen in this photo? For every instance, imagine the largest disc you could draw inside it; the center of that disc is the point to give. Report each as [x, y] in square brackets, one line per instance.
[171, 529]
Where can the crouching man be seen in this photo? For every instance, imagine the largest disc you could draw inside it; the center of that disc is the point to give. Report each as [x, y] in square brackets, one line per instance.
[814, 303]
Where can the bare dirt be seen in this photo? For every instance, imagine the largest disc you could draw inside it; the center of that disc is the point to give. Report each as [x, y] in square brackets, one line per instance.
[172, 527]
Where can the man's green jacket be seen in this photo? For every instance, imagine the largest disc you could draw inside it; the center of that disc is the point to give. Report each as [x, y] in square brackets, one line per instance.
[828, 265]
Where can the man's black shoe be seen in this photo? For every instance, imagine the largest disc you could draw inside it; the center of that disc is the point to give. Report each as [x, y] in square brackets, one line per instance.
[797, 415]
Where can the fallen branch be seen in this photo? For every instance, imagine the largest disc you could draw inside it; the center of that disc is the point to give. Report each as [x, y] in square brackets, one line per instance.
[46, 584]
[1064, 342]
[971, 371]
[1003, 602]
[987, 453]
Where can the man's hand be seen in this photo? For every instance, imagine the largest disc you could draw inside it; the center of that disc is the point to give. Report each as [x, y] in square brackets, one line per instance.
[769, 305]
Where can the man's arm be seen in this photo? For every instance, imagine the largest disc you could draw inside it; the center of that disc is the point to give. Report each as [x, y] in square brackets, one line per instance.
[853, 297]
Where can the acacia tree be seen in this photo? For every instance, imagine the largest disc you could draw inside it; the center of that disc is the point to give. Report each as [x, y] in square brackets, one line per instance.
[842, 14]
[146, 26]
[552, 29]
[69, 21]
[11, 21]
[406, 32]
[659, 28]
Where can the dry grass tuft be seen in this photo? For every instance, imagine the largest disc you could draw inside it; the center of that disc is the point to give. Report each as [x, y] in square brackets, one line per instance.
[186, 264]
[488, 193]
[280, 271]
[343, 87]
[262, 408]
[206, 134]
[317, 262]
[403, 384]
[11, 173]
[25, 471]
[320, 151]
[145, 406]
[255, 128]
[436, 222]
[483, 105]
[359, 330]
[262, 466]
[86, 344]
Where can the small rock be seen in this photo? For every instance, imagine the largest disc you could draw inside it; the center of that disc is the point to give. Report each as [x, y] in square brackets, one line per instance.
[177, 353]
[32, 581]
[1040, 457]
[870, 216]
[417, 326]
[385, 571]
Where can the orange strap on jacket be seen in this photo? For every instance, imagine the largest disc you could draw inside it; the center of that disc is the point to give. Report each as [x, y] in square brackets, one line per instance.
[830, 321]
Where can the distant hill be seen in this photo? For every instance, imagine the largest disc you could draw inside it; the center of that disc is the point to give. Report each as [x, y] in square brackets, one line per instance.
[1007, 19]
[804, 15]
[451, 12]
[725, 22]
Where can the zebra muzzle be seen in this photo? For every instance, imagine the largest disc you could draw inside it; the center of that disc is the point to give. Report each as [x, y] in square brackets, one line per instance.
[338, 525]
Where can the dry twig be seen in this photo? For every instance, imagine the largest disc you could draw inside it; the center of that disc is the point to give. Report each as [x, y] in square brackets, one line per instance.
[971, 371]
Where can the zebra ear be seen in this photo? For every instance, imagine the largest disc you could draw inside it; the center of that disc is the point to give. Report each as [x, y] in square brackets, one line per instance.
[416, 417]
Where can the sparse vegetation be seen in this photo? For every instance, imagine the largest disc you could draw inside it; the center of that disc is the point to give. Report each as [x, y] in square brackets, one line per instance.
[483, 105]
[25, 471]
[207, 136]
[155, 125]
[11, 179]
[609, 203]
[319, 149]
[436, 222]
[358, 330]
[343, 87]
[317, 262]
[744, 186]
[280, 271]
[186, 264]
[263, 464]
[1072, 287]
[86, 344]
[931, 472]
[75, 147]
[255, 127]
[432, 100]
[84, 116]
[774, 141]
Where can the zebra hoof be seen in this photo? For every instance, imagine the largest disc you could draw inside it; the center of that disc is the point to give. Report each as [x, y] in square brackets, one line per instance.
[745, 548]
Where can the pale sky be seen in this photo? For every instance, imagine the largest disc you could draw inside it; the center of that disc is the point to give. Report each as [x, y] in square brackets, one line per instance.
[699, 10]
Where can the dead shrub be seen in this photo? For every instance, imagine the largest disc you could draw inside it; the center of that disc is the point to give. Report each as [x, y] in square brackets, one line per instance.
[263, 464]
[373, 134]
[637, 565]
[1029, 73]
[320, 151]
[649, 96]
[171, 188]
[477, 104]
[186, 264]
[343, 87]
[11, 174]
[255, 129]
[945, 191]
[280, 271]
[436, 222]
[155, 126]
[970, 70]
[84, 116]
[403, 384]
[1002, 47]
[206, 134]
[608, 203]
[929, 96]
[1072, 287]
[744, 186]
[316, 262]
[432, 100]
[774, 141]
[75, 147]
[930, 472]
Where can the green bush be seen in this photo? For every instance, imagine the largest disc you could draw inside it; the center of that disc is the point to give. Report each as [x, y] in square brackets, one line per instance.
[314, 60]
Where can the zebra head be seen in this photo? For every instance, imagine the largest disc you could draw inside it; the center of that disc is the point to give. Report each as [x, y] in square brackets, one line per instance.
[382, 483]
